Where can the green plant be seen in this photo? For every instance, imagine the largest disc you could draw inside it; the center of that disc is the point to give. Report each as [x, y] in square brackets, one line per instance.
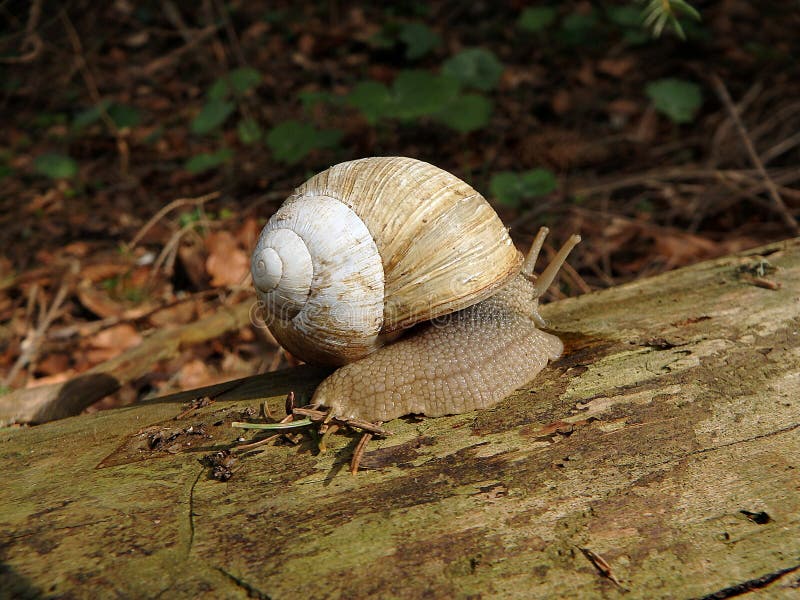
[208, 160]
[291, 141]
[477, 68]
[212, 115]
[121, 114]
[537, 18]
[677, 99]
[55, 166]
[249, 131]
[512, 188]
[418, 93]
[418, 38]
[237, 83]
[219, 105]
[657, 14]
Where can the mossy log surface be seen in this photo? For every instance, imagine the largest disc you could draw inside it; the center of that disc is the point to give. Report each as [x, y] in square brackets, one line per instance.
[660, 458]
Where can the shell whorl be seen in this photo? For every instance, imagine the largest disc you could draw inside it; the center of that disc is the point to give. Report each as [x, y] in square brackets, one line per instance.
[438, 247]
[318, 272]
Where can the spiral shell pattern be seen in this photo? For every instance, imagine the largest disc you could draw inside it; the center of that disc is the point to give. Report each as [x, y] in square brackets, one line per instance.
[371, 247]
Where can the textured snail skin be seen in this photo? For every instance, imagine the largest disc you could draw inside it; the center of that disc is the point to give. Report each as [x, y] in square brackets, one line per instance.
[470, 360]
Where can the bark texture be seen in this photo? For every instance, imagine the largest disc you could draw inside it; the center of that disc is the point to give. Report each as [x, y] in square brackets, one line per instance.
[657, 459]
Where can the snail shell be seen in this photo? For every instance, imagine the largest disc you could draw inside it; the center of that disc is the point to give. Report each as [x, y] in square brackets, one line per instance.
[370, 247]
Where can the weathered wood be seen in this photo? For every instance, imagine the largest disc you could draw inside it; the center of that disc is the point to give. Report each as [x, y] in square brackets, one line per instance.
[666, 443]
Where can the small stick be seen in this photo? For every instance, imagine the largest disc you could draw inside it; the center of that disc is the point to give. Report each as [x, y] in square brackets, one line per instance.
[166, 210]
[323, 442]
[318, 415]
[601, 565]
[270, 426]
[37, 334]
[94, 91]
[722, 92]
[358, 453]
[289, 405]
[265, 441]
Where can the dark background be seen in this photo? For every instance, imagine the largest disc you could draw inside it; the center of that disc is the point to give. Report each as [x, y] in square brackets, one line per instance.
[216, 110]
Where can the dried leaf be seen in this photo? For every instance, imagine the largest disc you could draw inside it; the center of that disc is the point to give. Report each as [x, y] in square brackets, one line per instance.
[227, 263]
[112, 341]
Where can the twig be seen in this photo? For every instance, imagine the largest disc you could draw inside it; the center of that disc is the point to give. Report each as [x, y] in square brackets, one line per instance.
[174, 16]
[722, 92]
[602, 566]
[36, 335]
[172, 246]
[265, 441]
[230, 32]
[725, 125]
[781, 147]
[31, 40]
[166, 210]
[163, 61]
[318, 415]
[94, 93]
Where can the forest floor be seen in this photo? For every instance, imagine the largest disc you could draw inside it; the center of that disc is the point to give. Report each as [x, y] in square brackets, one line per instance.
[130, 198]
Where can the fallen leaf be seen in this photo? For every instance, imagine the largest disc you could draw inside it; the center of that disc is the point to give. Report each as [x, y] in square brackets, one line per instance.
[110, 342]
[616, 67]
[247, 235]
[561, 102]
[97, 301]
[53, 364]
[193, 261]
[227, 263]
[194, 374]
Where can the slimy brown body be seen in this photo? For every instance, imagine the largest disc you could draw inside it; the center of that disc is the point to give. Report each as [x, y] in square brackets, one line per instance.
[469, 360]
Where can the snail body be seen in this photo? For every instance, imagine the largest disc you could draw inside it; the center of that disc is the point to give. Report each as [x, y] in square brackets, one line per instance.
[424, 300]
[472, 361]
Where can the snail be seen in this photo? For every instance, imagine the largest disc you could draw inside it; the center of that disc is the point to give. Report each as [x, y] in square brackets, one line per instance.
[404, 277]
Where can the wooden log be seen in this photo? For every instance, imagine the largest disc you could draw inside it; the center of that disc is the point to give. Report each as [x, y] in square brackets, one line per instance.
[657, 459]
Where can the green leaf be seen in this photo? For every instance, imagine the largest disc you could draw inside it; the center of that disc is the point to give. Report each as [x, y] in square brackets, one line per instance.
[474, 67]
[219, 90]
[291, 141]
[239, 81]
[421, 93]
[467, 113]
[418, 38]
[677, 99]
[208, 160]
[55, 166]
[511, 188]
[90, 115]
[327, 138]
[537, 182]
[372, 99]
[578, 28]
[124, 115]
[381, 40]
[537, 18]
[249, 131]
[244, 79]
[212, 115]
[310, 99]
[624, 16]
